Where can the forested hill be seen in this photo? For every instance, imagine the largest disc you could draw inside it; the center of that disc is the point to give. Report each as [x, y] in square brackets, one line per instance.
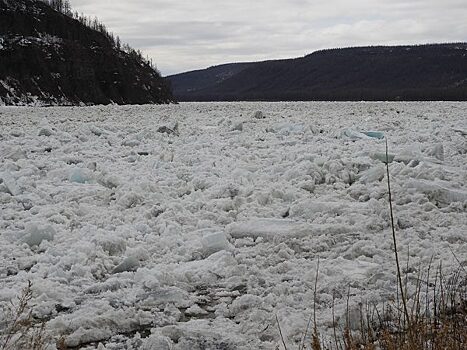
[50, 55]
[425, 72]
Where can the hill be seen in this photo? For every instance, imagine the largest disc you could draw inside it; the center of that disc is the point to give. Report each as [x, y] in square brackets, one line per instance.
[425, 72]
[49, 55]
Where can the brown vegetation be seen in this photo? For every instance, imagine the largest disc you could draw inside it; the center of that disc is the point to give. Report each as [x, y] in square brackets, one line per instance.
[21, 330]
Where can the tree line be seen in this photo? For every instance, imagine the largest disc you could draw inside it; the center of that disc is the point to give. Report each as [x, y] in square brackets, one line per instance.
[64, 7]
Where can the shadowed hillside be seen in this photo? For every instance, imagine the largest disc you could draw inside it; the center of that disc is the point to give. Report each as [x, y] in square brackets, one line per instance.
[426, 72]
[54, 57]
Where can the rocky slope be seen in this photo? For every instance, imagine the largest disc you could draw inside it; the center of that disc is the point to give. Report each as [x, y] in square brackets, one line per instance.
[48, 57]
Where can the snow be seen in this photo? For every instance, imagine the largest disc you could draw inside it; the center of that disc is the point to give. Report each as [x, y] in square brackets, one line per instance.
[43, 39]
[15, 97]
[268, 229]
[172, 227]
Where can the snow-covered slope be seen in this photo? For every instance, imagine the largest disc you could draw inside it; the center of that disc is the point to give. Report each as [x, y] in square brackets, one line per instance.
[191, 226]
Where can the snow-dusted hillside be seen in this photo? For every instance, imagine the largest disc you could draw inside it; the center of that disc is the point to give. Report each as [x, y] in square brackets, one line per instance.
[50, 56]
[191, 226]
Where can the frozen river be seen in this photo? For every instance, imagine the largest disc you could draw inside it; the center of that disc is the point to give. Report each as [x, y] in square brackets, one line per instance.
[192, 226]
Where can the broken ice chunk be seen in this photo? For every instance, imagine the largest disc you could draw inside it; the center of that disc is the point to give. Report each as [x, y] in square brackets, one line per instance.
[17, 133]
[10, 184]
[45, 132]
[357, 135]
[130, 143]
[374, 134]
[372, 175]
[353, 135]
[35, 234]
[382, 157]
[238, 127]
[267, 228]
[80, 175]
[214, 243]
[437, 193]
[109, 181]
[128, 264]
[436, 151]
[258, 115]
[311, 208]
[15, 154]
[195, 310]
[95, 130]
[170, 128]
[288, 128]
[156, 342]
[130, 199]
[245, 302]
[463, 132]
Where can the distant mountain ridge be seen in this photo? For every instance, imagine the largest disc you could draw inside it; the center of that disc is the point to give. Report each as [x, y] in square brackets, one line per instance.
[423, 72]
[49, 57]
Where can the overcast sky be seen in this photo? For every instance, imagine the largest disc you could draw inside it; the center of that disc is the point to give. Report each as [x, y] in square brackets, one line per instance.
[182, 35]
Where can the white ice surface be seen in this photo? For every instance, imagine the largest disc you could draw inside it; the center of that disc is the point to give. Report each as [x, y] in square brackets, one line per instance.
[137, 237]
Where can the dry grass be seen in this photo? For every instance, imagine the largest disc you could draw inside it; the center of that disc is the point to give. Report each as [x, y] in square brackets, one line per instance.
[20, 330]
[439, 325]
[437, 312]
